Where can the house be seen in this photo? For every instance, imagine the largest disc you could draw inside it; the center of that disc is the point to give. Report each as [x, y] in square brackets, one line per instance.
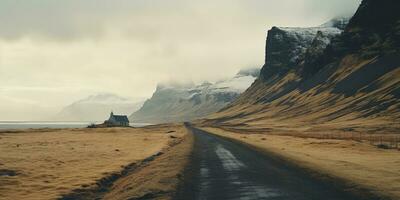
[117, 120]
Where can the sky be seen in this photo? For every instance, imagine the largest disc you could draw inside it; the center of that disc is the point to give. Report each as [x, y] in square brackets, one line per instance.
[54, 52]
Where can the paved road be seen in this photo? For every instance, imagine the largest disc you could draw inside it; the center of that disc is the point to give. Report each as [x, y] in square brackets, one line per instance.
[223, 170]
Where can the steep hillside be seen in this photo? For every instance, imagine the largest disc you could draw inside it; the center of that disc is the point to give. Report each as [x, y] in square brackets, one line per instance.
[319, 77]
[185, 103]
[98, 107]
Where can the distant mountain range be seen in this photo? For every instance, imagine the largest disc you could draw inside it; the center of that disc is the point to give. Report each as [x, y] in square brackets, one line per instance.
[341, 74]
[98, 107]
[177, 103]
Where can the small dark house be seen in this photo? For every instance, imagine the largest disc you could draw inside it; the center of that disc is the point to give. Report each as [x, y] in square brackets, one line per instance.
[117, 120]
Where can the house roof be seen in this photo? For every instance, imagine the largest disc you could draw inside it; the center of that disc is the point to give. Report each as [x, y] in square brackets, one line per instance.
[121, 118]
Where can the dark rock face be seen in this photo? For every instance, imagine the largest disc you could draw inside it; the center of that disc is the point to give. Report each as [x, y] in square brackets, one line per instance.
[313, 58]
[377, 16]
[287, 48]
[374, 30]
[278, 52]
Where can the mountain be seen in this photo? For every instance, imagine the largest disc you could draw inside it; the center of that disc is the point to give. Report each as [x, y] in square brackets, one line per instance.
[98, 107]
[177, 103]
[287, 47]
[334, 75]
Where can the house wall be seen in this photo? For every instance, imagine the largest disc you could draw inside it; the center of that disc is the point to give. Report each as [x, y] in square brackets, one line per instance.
[112, 121]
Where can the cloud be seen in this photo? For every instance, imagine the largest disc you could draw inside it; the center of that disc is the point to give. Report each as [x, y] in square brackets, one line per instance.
[146, 19]
[331, 9]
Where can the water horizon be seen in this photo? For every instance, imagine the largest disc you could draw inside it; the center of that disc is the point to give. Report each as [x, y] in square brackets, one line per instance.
[26, 124]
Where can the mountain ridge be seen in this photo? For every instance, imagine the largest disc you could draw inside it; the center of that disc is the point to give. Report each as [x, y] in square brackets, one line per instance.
[353, 81]
[185, 102]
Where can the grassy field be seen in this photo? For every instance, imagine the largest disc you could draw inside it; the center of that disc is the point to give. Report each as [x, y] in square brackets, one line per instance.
[382, 140]
[46, 164]
[359, 164]
[157, 180]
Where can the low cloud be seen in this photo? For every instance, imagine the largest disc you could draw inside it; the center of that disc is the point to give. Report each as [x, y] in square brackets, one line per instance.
[147, 19]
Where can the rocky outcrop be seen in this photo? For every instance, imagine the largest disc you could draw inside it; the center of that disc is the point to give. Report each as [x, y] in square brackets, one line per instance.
[292, 54]
[178, 103]
[287, 48]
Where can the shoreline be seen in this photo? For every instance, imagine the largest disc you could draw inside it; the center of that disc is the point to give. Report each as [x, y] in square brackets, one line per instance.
[31, 125]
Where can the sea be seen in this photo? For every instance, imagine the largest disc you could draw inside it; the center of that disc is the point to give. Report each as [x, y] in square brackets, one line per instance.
[51, 124]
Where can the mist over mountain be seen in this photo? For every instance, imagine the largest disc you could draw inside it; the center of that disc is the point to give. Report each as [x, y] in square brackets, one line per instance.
[185, 102]
[333, 75]
[98, 107]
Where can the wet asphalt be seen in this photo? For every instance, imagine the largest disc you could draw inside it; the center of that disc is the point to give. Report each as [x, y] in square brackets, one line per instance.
[221, 169]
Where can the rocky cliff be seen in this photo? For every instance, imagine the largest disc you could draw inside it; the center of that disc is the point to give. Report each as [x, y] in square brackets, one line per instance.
[346, 76]
[178, 103]
[286, 47]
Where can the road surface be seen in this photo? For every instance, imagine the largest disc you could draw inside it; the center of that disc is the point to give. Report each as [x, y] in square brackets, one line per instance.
[222, 170]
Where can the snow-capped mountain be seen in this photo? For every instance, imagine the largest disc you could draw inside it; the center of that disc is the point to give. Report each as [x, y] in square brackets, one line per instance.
[172, 103]
[98, 107]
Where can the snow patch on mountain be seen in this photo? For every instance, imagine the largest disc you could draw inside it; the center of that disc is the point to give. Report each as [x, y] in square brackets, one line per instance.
[303, 37]
[308, 34]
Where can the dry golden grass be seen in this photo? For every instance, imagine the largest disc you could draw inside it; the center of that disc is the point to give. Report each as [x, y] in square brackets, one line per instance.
[50, 163]
[384, 140]
[358, 163]
[159, 179]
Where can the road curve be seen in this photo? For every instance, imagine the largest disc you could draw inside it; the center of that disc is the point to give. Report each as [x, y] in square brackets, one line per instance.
[222, 170]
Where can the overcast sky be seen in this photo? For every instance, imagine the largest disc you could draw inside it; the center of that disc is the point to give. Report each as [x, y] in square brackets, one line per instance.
[54, 52]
